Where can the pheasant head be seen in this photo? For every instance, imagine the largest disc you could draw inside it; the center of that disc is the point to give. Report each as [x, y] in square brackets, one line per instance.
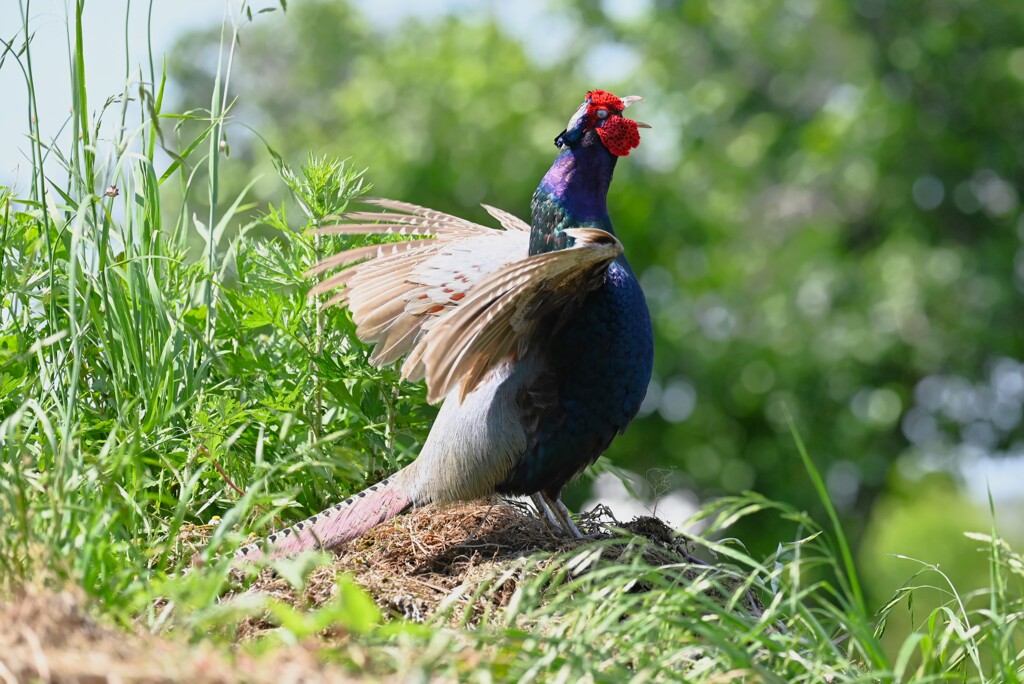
[601, 114]
[573, 193]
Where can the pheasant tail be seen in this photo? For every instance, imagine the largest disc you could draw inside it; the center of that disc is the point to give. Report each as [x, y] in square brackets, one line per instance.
[338, 524]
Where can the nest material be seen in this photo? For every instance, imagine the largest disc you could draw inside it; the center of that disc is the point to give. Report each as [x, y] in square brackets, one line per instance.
[441, 557]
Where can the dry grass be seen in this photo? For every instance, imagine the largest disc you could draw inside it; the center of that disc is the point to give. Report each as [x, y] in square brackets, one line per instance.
[470, 557]
[50, 637]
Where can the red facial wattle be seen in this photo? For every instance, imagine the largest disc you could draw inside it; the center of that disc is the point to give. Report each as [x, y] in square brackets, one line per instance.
[619, 135]
[604, 113]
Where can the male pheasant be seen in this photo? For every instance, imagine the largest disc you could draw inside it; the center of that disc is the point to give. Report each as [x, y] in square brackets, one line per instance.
[536, 337]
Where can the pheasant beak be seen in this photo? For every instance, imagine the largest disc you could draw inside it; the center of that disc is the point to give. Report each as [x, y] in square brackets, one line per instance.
[630, 100]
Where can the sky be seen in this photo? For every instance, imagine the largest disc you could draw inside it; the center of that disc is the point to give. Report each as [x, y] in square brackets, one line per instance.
[105, 54]
[104, 50]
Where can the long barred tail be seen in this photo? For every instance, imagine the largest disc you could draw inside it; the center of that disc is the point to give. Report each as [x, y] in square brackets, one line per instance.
[328, 529]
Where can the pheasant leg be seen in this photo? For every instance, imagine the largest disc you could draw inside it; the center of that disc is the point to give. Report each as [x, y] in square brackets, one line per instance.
[544, 511]
[561, 513]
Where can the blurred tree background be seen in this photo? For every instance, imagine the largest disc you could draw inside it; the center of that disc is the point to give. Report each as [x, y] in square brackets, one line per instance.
[825, 216]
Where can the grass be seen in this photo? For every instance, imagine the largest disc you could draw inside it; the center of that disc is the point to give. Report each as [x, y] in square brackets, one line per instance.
[159, 370]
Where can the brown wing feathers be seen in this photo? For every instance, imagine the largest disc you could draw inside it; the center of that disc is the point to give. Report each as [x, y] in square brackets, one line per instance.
[461, 298]
[504, 308]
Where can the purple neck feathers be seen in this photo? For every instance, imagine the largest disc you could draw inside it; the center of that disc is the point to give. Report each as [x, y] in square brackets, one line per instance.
[578, 180]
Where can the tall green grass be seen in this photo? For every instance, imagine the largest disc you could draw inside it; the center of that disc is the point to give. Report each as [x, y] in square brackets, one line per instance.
[142, 386]
[160, 364]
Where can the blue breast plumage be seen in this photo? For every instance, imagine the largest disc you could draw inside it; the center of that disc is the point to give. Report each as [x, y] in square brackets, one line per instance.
[601, 359]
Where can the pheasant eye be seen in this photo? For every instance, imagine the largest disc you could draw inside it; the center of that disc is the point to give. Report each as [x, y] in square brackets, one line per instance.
[602, 113]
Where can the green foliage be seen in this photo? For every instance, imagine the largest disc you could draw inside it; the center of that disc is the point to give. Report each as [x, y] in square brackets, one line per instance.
[159, 386]
[161, 365]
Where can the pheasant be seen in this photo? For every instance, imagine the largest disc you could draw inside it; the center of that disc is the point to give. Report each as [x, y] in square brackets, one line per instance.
[537, 337]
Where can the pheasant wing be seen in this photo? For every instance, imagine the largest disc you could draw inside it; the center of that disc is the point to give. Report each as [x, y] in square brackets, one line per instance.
[500, 313]
[460, 297]
[397, 291]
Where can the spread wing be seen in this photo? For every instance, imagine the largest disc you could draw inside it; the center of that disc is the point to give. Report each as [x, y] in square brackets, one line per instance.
[459, 297]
